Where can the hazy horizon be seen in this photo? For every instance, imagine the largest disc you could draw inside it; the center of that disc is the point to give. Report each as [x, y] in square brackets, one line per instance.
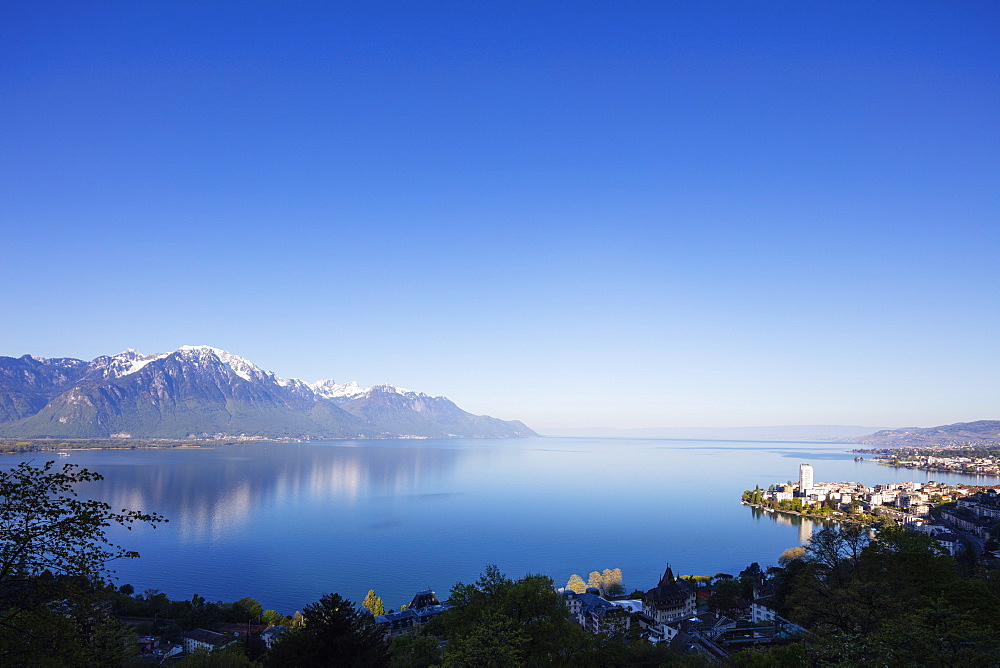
[638, 215]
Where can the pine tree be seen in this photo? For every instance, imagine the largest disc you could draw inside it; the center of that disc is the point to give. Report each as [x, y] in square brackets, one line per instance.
[333, 633]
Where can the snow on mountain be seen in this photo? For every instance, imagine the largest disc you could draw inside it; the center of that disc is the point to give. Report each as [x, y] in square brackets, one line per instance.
[329, 389]
[124, 363]
[385, 388]
[193, 391]
[129, 361]
[242, 367]
[294, 384]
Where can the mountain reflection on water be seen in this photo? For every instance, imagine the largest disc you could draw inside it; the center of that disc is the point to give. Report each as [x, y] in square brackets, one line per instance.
[288, 522]
[214, 496]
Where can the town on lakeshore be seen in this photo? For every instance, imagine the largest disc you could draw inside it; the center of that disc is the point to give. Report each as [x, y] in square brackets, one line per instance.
[940, 510]
[925, 459]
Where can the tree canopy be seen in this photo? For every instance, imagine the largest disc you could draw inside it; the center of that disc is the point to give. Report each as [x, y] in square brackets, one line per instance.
[373, 604]
[576, 584]
[503, 622]
[892, 600]
[54, 566]
[333, 633]
[45, 527]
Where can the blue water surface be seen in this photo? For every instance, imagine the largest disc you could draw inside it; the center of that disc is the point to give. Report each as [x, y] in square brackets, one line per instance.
[287, 522]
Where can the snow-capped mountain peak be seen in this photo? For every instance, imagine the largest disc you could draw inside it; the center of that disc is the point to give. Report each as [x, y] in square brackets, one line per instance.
[242, 367]
[124, 363]
[194, 392]
[330, 389]
[386, 388]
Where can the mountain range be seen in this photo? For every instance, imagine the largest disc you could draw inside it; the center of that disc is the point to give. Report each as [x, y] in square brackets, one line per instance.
[200, 391]
[981, 433]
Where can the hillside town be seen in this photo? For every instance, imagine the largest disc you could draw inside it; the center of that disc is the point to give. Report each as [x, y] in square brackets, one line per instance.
[688, 615]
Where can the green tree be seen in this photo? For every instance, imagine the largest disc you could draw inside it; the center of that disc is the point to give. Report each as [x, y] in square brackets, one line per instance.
[896, 601]
[530, 605]
[45, 527]
[495, 641]
[373, 604]
[247, 608]
[414, 651]
[197, 613]
[272, 618]
[54, 568]
[332, 633]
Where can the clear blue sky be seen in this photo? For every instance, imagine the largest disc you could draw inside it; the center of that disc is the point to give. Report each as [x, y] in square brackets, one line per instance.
[619, 214]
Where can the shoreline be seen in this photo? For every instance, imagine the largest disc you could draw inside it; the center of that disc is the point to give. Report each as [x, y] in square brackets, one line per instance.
[16, 446]
[928, 469]
[767, 509]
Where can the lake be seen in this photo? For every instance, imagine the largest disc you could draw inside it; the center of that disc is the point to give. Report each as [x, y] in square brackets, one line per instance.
[287, 522]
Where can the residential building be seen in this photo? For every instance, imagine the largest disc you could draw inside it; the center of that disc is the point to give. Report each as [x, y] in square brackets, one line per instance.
[271, 634]
[204, 639]
[420, 610]
[670, 600]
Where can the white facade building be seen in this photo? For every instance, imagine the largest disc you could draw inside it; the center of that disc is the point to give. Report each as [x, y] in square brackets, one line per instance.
[805, 479]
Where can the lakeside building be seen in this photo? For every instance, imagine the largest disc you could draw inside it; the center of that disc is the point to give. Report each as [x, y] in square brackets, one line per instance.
[671, 599]
[205, 639]
[805, 479]
[596, 614]
[421, 609]
[908, 498]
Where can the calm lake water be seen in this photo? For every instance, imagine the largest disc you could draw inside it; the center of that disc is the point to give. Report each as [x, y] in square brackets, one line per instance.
[287, 522]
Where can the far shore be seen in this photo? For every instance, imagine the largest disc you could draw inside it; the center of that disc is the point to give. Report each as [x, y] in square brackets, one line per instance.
[13, 446]
[936, 469]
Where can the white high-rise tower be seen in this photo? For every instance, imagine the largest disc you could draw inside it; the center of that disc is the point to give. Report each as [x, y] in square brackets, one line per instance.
[805, 479]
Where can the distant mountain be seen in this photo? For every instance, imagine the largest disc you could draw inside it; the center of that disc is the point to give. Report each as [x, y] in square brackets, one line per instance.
[202, 391]
[960, 434]
[807, 432]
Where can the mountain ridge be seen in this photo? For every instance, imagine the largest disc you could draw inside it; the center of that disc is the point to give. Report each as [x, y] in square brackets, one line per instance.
[984, 433]
[199, 391]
